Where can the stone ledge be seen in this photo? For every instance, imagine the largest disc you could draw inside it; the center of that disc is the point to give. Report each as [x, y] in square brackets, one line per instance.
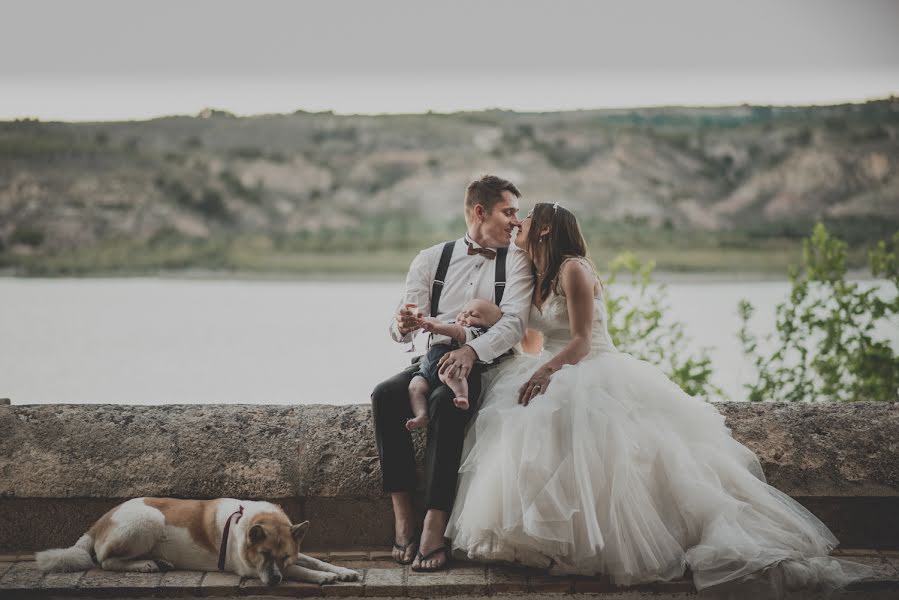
[62, 466]
[383, 578]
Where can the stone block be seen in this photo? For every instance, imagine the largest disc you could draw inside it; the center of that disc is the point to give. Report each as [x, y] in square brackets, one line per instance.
[839, 459]
[506, 580]
[385, 581]
[456, 581]
[98, 581]
[893, 561]
[61, 581]
[22, 576]
[347, 556]
[302, 589]
[676, 586]
[343, 589]
[855, 552]
[219, 584]
[4, 567]
[884, 577]
[547, 584]
[178, 582]
[287, 588]
[356, 565]
[595, 585]
[381, 555]
[883, 570]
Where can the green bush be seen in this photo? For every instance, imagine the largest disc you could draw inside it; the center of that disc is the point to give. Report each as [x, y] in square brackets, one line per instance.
[638, 326]
[824, 347]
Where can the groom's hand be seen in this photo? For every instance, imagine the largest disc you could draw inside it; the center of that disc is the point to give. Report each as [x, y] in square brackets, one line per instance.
[458, 363]
[407, 321]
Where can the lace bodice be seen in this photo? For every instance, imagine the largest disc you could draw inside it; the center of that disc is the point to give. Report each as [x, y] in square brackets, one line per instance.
[552, 320]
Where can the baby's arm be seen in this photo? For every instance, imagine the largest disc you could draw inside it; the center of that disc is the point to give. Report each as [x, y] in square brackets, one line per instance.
[457, 332]
[479, 313]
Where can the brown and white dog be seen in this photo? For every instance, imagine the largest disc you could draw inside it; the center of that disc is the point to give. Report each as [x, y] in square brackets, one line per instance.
[155, 534]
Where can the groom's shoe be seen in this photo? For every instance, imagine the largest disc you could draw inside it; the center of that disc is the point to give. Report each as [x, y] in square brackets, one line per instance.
[404, 550]
[422, 558]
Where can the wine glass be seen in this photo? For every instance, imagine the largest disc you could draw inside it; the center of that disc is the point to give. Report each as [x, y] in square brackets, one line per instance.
[410, 307]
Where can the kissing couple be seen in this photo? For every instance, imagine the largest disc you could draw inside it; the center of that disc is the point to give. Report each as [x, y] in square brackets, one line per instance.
[549, 447]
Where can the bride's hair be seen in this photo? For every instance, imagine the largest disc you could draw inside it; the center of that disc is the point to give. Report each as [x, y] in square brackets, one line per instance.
[564, 240]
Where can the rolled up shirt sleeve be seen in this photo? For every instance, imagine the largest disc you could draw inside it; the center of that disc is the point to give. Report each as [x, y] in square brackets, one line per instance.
[516, 306]
[417, 290]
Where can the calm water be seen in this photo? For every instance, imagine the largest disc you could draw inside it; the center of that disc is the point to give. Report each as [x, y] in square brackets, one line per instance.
[159, 341]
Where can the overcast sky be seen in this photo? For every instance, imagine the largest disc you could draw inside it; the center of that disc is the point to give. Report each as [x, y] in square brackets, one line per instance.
[90, 59]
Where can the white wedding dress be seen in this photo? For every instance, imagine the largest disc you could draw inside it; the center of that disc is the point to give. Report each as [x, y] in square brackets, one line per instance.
[615, 470]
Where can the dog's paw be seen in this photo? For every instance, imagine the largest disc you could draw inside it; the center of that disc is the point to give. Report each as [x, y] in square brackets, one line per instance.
[146, 566]
[164, 565]
[326, 578]
[347, 575]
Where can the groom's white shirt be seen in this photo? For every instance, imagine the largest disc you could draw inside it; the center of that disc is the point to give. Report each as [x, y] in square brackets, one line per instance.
[468, 277]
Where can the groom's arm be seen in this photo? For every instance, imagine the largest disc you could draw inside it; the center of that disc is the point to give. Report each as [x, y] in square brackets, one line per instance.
[417, 290]
[516, 306]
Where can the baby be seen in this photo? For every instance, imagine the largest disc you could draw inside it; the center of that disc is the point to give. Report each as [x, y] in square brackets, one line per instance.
[475, 313]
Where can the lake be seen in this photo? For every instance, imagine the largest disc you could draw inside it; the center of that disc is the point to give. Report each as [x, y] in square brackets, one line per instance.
[168, 340]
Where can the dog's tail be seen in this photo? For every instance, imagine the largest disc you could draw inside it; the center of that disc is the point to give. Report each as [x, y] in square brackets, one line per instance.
[76, 558]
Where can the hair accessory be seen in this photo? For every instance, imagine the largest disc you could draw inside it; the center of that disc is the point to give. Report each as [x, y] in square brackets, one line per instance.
[556, 207]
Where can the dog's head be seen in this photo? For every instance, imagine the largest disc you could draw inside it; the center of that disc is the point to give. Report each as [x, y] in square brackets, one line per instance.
[272, 544]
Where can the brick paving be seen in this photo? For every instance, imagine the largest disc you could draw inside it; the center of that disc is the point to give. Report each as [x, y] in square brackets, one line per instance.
[381, 577]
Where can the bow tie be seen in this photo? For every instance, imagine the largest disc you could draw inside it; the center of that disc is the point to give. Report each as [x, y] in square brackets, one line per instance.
[485, 252]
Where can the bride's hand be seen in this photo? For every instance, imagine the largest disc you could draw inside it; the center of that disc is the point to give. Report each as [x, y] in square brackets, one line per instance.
[537, 384]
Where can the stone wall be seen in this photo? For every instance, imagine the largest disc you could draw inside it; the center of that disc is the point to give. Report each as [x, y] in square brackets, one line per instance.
[62, 466]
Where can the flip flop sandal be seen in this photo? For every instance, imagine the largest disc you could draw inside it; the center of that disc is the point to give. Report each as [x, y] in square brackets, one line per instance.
[421, 558]
[403, 547]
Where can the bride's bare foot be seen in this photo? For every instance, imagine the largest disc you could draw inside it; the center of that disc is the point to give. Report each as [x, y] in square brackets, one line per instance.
[461, 403]
[417, 422]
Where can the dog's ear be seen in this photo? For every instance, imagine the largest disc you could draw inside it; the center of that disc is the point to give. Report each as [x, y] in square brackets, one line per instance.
[256, 534]
[299, 531]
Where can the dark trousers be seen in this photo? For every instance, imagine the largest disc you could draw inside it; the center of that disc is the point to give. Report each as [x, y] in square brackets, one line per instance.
[446, 431]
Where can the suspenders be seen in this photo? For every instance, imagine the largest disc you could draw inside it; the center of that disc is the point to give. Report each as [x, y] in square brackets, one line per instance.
[499, 287]
[440, 276]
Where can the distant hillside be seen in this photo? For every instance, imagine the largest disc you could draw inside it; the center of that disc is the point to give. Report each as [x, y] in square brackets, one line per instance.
[378, 182]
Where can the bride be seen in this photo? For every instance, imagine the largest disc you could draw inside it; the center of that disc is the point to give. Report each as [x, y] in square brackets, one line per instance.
[586, 460]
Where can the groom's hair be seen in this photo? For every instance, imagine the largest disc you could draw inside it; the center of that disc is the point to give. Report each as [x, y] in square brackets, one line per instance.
[487, 191]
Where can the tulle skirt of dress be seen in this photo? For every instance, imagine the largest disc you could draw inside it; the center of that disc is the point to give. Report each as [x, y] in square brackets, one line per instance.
[616, 470]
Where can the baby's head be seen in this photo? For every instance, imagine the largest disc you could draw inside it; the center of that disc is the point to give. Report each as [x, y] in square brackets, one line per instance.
[490, 312]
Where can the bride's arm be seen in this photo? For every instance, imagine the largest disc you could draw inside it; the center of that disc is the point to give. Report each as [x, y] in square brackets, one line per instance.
[578, 284]
[532, 342]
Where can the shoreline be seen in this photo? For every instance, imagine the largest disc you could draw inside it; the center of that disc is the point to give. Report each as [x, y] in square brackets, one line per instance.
[658, 277]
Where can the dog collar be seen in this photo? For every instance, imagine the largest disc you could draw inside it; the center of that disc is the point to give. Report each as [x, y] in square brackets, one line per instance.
[223, 548]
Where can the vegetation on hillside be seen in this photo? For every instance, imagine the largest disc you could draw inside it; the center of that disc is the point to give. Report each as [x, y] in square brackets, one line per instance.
[731, 188]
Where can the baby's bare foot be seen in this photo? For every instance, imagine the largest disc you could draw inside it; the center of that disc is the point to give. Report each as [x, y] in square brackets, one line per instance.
[417, 422]
[461, 403]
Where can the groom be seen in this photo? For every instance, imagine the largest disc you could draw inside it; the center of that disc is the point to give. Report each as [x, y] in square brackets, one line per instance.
[491, 213]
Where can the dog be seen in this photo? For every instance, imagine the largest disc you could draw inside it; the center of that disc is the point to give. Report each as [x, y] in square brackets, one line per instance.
[148, 535]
